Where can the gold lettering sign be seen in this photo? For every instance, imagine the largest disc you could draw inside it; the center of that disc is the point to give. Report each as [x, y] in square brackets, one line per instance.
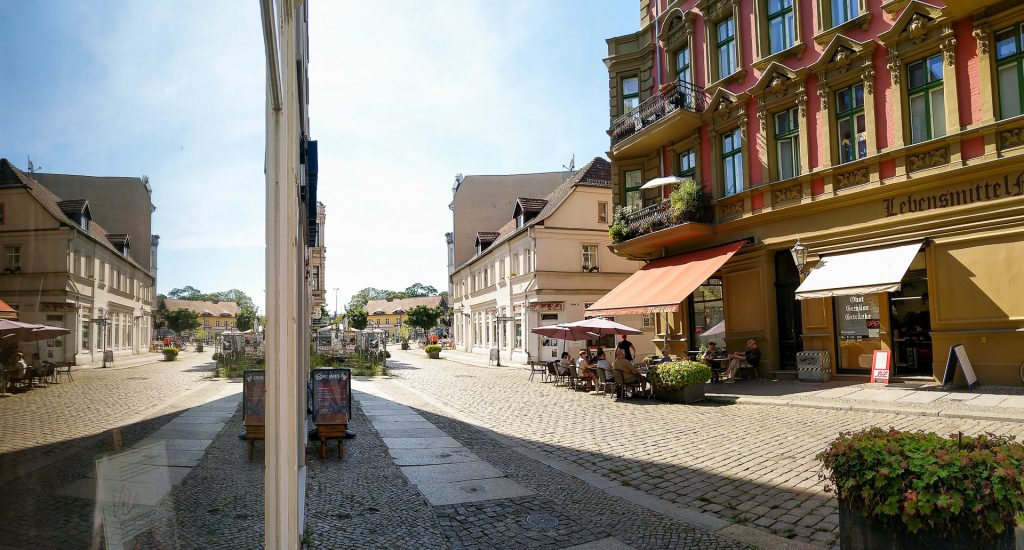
[960, 196]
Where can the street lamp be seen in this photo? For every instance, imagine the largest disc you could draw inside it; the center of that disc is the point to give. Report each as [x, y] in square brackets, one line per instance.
[335, 302]
[499, 327]
[799, 252]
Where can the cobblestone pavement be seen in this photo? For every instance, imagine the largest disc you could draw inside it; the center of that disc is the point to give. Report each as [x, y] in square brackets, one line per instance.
[749, 464]
[49, 438]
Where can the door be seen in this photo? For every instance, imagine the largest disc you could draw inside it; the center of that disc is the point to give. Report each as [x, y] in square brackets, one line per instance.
[787, 279]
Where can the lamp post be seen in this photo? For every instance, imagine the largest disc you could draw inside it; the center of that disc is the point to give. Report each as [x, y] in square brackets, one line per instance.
[799, 252]
[335, 302]
[499, 325]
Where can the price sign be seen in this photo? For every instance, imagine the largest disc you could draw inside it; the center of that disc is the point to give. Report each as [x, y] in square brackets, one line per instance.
[880, 366]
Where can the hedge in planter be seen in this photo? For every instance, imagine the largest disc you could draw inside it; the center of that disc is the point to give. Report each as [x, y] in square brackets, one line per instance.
[956, 492]
[433, 351]
[170, 354]
[680, 381]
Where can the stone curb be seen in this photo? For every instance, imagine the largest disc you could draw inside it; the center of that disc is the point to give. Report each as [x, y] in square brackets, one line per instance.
[946, 413]
[702, 520]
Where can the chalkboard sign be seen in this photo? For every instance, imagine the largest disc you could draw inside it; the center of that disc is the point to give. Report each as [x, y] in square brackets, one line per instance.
[332, 396]
[958, 354]
[254, 397]
[494, 355]
[108, 356]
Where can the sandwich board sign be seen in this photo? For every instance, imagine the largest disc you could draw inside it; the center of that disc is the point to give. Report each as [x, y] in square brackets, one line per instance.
[958, 354]
[880, 365]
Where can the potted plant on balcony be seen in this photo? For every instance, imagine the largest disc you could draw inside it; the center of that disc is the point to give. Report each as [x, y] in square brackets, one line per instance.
[433, 351]
[916, 489]
[680, 381]
[690, 202]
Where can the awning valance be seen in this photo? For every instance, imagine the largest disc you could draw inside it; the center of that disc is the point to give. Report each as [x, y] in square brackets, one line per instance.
[867, 272]
[661, 285]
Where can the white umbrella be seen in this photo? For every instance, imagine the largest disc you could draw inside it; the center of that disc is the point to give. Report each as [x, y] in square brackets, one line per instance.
[710, 333]
[663, 181]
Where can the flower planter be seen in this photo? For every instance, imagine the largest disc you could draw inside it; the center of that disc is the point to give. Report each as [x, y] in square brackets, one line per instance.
[691, 393]
[405, 345]
[857, 532]
[170, 356]
[434, 354]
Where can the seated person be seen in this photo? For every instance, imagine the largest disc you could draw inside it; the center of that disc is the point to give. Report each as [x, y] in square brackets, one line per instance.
[582, 364]
[629, 373]
[563, 366]
[708, 358]
[737, 360]
[603, 363]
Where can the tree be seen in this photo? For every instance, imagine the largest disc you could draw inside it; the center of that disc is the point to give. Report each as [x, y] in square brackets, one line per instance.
[417, 290]
[245, 319]
[180, 320]
[357, 318]
[184, 293]
[423, 317]
[359, 299]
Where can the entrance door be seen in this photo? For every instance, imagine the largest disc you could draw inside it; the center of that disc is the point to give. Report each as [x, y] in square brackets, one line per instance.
[787, 279]
[911, 326]
[550, 348]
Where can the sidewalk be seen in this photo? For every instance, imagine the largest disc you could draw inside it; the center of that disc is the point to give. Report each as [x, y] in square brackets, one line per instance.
[1001, 403]
[986, 403]
[471, 359]
[126, 362]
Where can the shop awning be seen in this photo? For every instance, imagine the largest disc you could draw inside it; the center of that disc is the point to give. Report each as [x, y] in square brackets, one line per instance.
[866, 272]
[662, 284]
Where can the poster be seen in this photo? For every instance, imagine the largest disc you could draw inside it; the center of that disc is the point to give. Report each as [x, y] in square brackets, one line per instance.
[880, 365]
[254, 397]
[332, 396]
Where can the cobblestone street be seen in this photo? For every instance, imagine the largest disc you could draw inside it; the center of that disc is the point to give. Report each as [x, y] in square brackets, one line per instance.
[747, 464]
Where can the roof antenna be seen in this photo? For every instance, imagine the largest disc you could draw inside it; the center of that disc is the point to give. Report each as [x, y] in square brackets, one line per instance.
[572, 164]
[31, 167]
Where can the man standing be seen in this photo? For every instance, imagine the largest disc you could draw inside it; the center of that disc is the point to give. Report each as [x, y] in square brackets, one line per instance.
[627, 347]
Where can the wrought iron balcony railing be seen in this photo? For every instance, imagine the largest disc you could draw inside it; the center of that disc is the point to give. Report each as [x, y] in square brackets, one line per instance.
[681, 95]
[647, 219]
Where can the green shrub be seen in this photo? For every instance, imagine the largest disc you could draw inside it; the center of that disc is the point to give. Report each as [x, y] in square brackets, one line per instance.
[387, 355]
[924, 481]
[170, 353]
[672, 376]
[432, 348]
[690, 202]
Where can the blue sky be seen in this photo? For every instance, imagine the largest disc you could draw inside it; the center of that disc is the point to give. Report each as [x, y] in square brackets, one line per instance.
[403, 96]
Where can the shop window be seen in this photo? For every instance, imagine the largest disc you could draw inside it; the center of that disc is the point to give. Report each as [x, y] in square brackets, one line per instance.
[781, 25]
[1010, 70]
[518, 328]
[850, 123]
[706, 311]
[732, 162]
[858, 324]
[86, 343]
[630, 94]
[927, 105]
[787, 146]
[633, 181]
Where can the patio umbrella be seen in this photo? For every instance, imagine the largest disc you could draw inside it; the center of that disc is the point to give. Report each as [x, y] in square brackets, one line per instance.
[601, 326]
[564, 333]
[710, 333]
[663, 181]
[16, 331]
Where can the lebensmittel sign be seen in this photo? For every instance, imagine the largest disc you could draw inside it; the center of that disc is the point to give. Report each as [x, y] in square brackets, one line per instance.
[332, 396]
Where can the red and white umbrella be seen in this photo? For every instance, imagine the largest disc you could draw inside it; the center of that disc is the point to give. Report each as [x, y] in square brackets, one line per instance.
[602, 326]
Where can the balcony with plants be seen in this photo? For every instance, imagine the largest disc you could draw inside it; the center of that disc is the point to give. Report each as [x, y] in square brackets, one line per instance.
[689, 207]
[670, 113]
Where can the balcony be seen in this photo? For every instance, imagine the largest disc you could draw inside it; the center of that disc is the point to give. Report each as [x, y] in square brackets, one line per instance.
[670, 114]
[646, 232]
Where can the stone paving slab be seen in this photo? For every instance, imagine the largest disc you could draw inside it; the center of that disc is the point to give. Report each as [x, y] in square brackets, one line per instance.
[183, 433]
[922, 397]
[420, 442]
[989, 400]
[181, 444]
[1014, 401]
[447, 473]
[403, 424]
[609, 543]
[403, 432]
[377, 420]
[959, 396]
[418, 457]
[374, 413]
[883, 395]
[471, 491]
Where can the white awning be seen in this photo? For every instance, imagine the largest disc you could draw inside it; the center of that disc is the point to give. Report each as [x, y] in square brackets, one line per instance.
[866, 272]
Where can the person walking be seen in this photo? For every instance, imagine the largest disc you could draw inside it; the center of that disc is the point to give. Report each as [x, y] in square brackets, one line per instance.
[628, 349]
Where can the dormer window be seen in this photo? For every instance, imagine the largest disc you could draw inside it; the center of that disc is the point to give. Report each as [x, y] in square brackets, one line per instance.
[526, 209]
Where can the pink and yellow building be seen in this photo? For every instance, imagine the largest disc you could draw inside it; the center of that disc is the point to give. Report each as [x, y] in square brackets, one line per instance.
[890, 129]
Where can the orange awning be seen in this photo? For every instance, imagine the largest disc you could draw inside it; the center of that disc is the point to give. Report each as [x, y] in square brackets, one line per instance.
[7, 312]
[661, 285]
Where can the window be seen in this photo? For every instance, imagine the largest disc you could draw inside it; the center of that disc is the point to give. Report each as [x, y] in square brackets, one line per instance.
[1010, 70]
[732, 162]
[647, 320]
[12, 258]
[634, 180]
[590, 257]
[726, 47]
[684, 71]
[86, 343]
[780, 25]
[706, 310]
[528, 259]
[316, 277]
[630, 94]
[76, 263]
[927, 105]
[103, 272]
[843, 11]
[602, 212]
[787, 149]
[688, 163]
[850, 122]
[90, 267]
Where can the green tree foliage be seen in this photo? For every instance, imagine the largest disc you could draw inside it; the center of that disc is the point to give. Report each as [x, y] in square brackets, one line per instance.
[245, 319]
[417, 290]
[185, 293]
[180, 320]
[357, 318]
[234, 295]
[423, 317]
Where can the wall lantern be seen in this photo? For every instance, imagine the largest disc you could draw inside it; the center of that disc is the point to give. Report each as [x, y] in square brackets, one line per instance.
[799, 252]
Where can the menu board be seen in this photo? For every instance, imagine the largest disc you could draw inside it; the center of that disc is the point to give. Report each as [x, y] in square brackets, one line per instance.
[858, 316]
[332, 396]
[254, 397]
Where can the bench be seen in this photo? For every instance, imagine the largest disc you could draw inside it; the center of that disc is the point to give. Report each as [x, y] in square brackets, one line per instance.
[327, 432]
